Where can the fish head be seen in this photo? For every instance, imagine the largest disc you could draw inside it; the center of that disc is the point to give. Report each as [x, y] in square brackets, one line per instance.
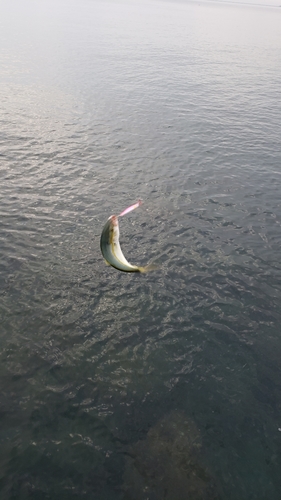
[114, 220]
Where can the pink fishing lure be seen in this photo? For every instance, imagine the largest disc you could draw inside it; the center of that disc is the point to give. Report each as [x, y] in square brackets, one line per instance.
[129, 209]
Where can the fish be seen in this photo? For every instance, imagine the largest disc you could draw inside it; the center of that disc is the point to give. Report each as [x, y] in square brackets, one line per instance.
[110, 246]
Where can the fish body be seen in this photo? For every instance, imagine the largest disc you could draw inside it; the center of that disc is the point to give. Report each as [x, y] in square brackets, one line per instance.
[110, 246]
[111, 250]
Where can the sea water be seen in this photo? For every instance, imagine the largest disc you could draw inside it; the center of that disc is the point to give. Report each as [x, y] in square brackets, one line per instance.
[124, 386]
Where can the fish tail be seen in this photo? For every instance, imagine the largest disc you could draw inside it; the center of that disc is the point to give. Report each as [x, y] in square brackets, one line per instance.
[149, 267]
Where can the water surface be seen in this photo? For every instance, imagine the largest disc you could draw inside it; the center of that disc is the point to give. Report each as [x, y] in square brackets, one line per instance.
[116, 386]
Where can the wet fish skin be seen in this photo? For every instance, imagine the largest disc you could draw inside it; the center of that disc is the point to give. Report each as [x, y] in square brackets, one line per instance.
[110, 248]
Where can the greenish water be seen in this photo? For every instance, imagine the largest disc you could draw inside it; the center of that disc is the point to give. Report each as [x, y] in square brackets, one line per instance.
[164, 385]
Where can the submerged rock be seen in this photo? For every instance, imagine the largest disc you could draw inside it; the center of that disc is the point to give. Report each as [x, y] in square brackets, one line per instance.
[166, 465]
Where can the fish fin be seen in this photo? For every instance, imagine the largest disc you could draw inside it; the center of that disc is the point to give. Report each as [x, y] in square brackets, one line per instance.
[149, 267]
